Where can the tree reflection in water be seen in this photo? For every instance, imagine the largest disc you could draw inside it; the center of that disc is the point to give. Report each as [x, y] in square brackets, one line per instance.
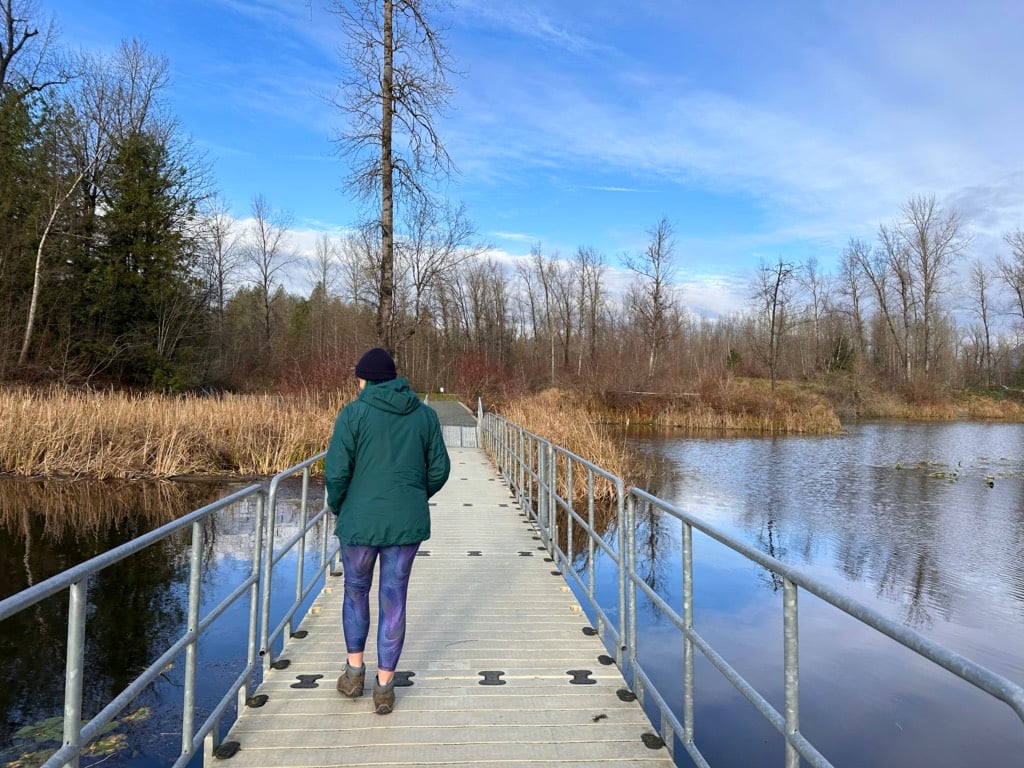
[49, 526]
[901, 518]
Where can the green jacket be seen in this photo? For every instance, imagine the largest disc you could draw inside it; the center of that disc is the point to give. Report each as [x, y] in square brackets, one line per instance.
[385, 459]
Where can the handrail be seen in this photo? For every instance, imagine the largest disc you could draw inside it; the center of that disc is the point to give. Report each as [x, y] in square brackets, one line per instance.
[535, 469]
[257, 585]
[530, 465]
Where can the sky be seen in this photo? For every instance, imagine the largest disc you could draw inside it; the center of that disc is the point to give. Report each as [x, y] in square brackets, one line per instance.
[759, 130]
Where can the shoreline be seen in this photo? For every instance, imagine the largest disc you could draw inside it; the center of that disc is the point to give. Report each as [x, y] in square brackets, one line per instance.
[72, 435]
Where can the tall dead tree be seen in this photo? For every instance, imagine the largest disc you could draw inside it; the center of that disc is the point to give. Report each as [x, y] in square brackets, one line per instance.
[395, 86]
[773, 293]
[652, 296]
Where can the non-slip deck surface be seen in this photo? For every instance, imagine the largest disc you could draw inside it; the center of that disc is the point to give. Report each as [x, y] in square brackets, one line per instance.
[501, 670]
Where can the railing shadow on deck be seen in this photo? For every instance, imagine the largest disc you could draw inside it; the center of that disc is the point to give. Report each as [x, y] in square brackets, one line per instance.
[254, 589]
[547, 479]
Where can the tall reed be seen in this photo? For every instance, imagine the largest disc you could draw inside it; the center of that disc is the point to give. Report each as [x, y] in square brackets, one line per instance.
[62, 433]
[565, 419]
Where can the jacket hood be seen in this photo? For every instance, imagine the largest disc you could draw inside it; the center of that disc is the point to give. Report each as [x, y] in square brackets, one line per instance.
[393, 396]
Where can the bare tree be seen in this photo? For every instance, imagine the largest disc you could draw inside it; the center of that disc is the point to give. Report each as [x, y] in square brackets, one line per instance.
[487, 312]
[322, 270]
[360, 261]
[220, 245]
[817, 288]
[437, 239]
[1011, 269]
[773, 293]
[544, 270]
[323, 274]
[932, 240]
[653, 295]
[851, 286]
[980, 288]
[589, 269]
[266, 251]
[29, 60]
[883, 267]
[396, 85]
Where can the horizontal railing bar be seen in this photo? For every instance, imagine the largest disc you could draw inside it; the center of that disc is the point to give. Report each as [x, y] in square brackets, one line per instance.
[972, 672]
[650, 689]
[215, 715]
[282, 551]
[218, 610]
[290, 613]
[61, 581]
[592, 534]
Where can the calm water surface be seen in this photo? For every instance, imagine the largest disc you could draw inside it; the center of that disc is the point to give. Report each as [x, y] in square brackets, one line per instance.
[135, 608]
[923, 522]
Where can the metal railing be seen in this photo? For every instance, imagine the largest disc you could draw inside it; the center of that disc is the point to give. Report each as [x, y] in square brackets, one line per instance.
[256, 587]
[543, 476]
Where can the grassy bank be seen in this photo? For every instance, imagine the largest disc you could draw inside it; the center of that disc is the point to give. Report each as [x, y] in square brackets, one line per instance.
[727, 405]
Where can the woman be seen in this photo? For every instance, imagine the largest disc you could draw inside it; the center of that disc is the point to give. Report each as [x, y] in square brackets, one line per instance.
[386, 457]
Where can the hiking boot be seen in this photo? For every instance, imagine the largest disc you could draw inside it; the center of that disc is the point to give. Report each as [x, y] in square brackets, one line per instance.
[350, 683]
[383, 697]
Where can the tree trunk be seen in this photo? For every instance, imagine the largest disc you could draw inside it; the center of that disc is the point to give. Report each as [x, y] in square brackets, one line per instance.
[38, 276]
[385, 308]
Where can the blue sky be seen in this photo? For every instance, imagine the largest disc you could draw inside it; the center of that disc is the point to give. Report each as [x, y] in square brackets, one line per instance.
[759, 129]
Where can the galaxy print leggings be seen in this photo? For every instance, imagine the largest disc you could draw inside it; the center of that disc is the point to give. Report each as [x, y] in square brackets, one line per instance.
[395, 567]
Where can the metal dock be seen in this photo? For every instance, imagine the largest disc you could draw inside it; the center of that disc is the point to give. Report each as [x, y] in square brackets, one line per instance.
[500, 664]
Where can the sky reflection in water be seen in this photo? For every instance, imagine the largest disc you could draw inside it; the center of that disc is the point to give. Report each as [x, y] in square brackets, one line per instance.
[901, 517]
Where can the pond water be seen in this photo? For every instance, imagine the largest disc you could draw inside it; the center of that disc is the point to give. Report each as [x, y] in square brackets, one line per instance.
[135, 606]
[923, 522]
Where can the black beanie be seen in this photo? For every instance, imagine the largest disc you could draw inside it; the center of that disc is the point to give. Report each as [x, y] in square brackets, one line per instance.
[376, 365]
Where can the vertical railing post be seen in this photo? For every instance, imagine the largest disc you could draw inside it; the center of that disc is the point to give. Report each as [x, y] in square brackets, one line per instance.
[688, 672]
[551, 510]
[254, 598]
[542, 496]
[524, 477]
[631, 586]
[74, 669]
[479, 422]
[532, 476]
[300, 567]
[270, 520]
[195, 575]
[620, 521]
[792, 668]
[591, 576]
[570, 550]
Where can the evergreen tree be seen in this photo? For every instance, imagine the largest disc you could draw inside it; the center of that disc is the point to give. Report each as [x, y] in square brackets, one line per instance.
[141, 302]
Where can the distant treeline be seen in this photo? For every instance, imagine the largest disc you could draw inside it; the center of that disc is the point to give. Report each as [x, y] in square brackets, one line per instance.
[120, 265]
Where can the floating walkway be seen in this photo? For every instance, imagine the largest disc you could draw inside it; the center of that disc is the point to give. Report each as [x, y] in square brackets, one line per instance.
[500, 666]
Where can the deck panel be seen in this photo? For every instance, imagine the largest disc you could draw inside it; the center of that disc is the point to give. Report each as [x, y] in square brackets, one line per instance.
[482, 599]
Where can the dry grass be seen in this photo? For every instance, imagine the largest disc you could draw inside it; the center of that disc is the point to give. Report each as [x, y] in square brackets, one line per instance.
[983, 407]
[60, 433]
[567, 420]
[737, 405]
